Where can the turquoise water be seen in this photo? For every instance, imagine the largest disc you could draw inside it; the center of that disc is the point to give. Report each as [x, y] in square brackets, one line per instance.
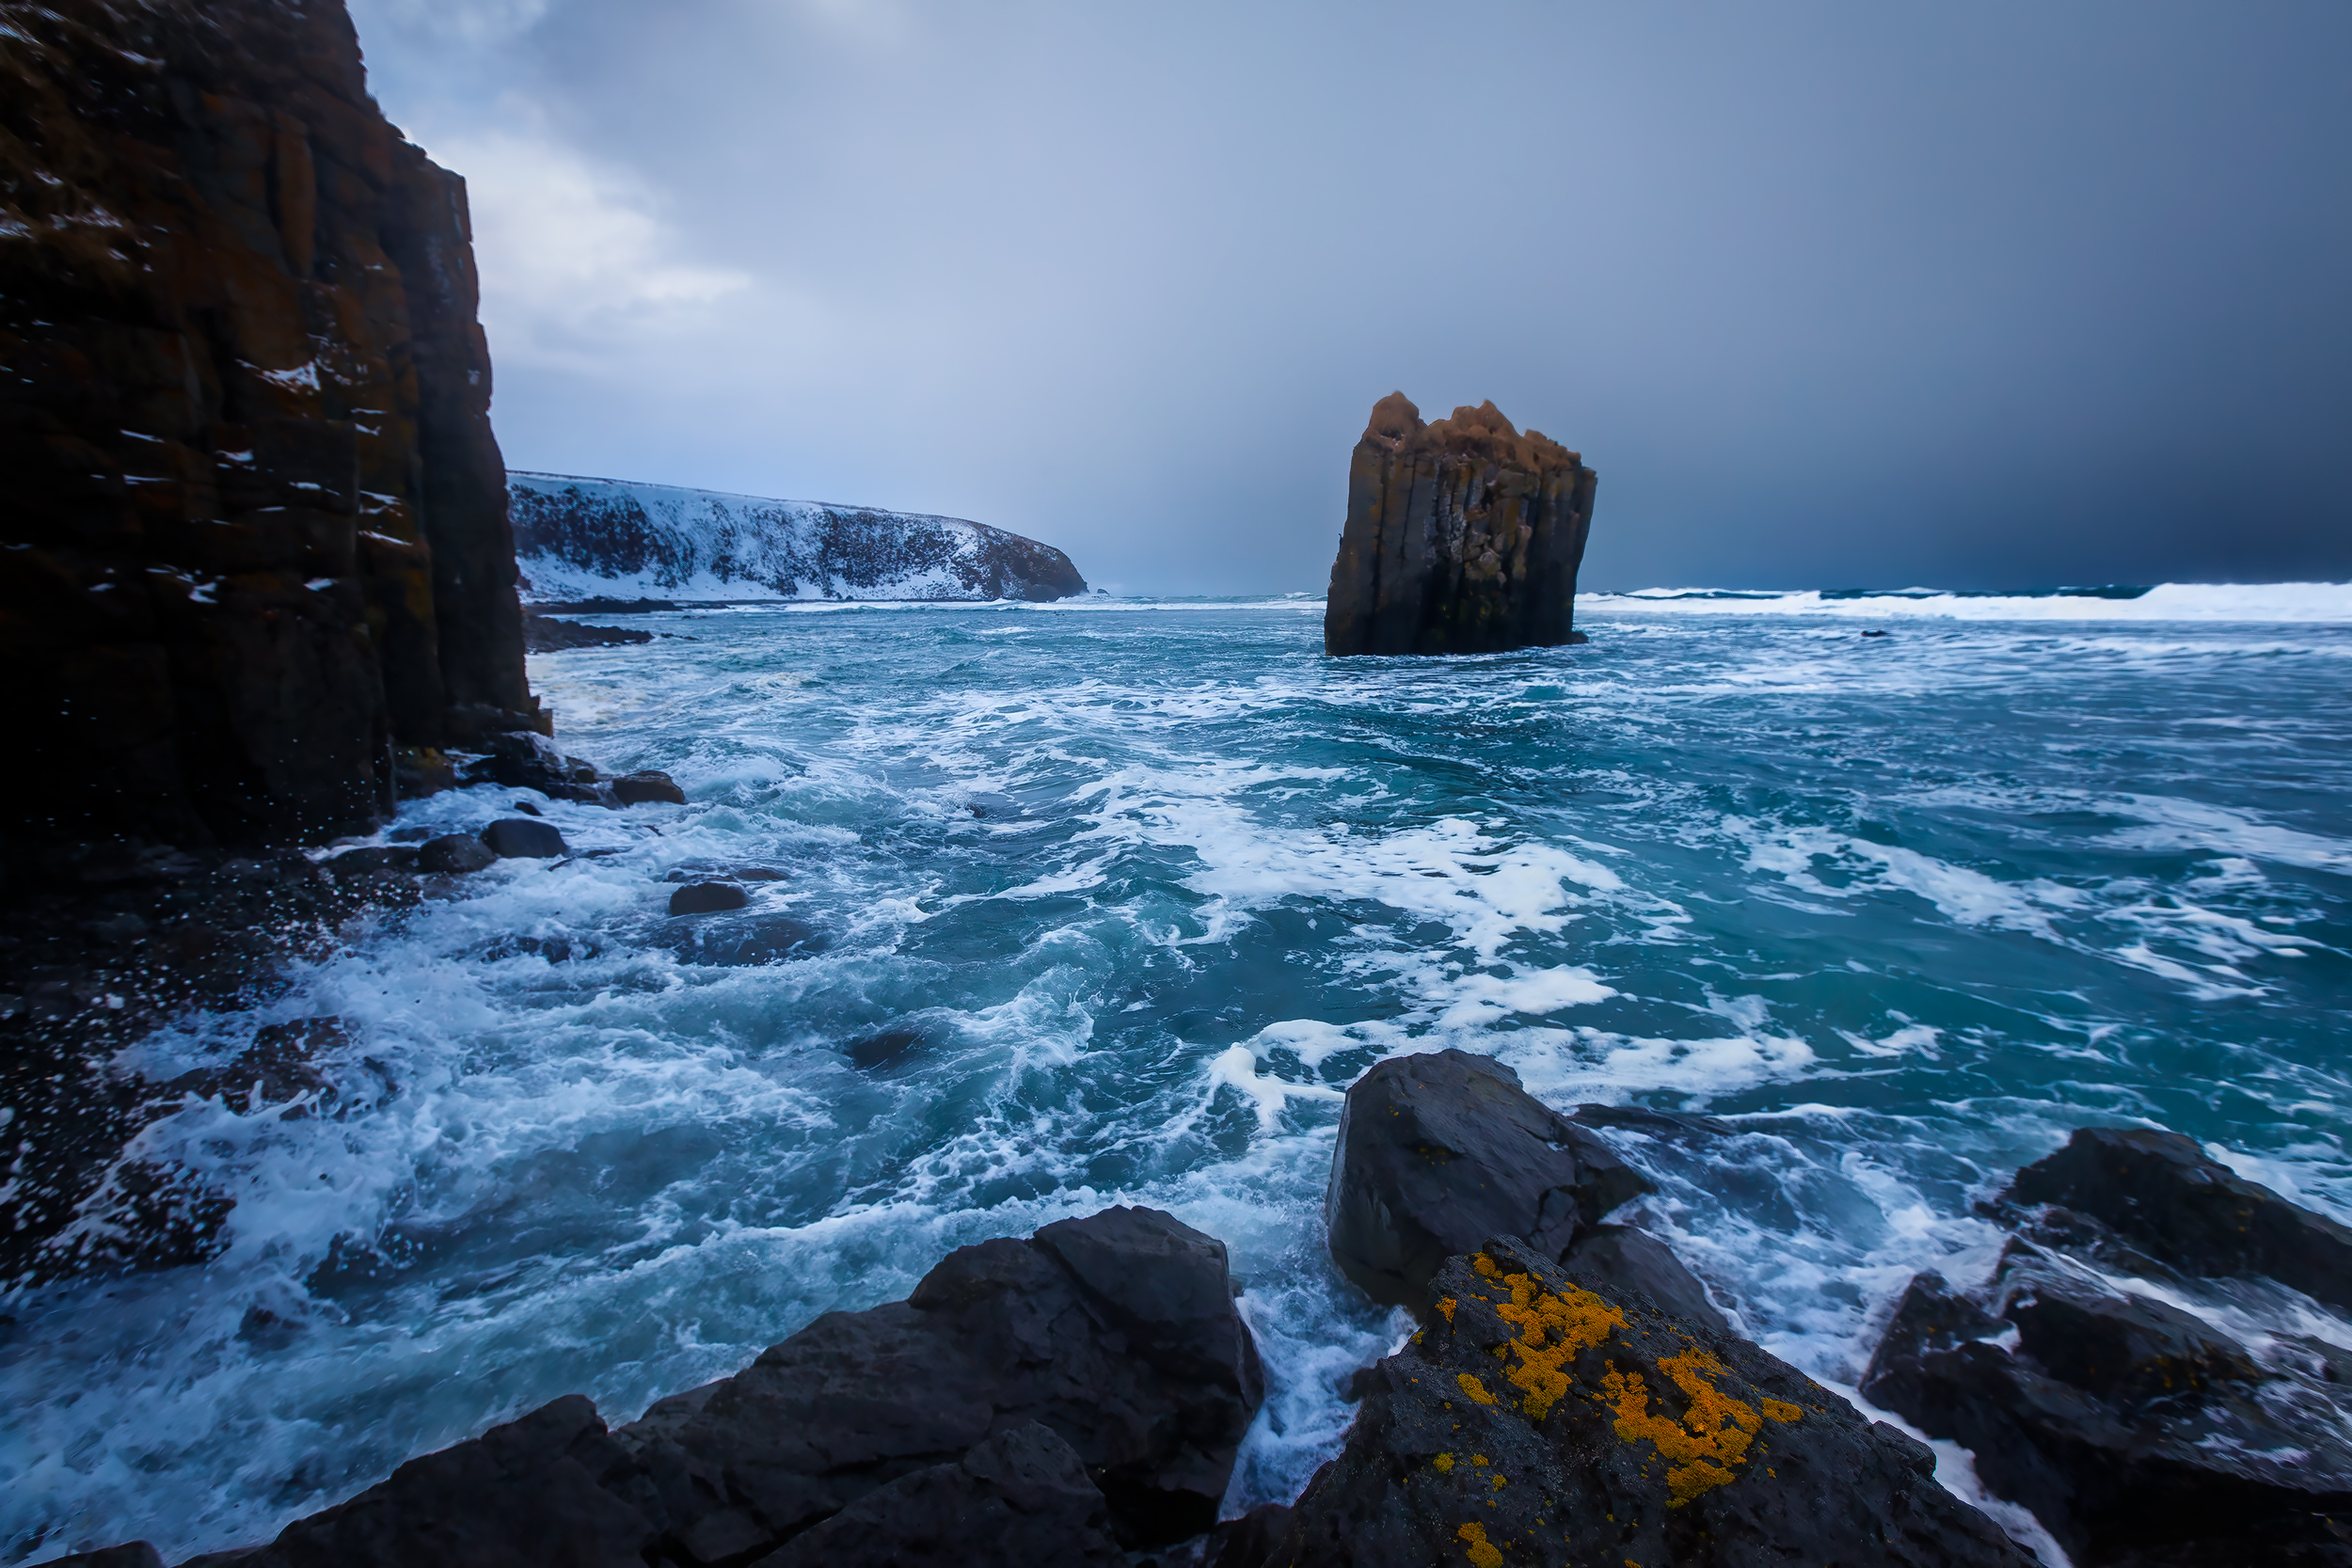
[1109, 901]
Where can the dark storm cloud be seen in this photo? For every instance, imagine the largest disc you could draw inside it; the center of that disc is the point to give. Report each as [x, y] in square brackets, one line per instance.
[1829, 294]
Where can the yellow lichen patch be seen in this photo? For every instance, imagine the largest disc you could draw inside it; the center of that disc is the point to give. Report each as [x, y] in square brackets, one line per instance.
[1443, 1462]
[1478, 1458]
[1474, 1388]
[1712, 1436]
[1481, 1552]
[1445, 1307]
[1486, 1266]
[1552, 1331]
[1780, 1410]
[1500, 1483]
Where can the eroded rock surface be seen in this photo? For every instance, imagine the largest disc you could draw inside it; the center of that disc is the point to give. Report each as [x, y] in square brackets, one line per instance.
[1535, 1422]
[1437, 1153]
[1463, 536]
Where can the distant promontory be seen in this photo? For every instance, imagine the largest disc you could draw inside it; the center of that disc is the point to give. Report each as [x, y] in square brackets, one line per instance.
[611, 539]
[1463, 536]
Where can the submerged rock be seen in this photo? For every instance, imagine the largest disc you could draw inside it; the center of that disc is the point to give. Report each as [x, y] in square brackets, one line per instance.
[1534, 1422]
[454, 854]
[1462, 537]
[521, 838]
[647, 785]
[1439, 1153]
[708, 898]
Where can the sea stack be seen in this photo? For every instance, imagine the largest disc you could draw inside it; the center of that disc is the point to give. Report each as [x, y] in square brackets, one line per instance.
[1463, 536]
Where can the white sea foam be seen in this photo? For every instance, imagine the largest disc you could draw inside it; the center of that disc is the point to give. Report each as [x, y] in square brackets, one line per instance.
[2172, 601]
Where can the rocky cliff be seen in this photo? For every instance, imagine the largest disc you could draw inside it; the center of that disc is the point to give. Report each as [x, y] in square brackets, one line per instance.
[603, 538]
[256, 538]
[1462, 537]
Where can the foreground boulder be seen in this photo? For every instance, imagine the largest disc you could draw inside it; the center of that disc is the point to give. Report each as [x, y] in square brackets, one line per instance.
[1034, 1404]
[1534, 1422]
[1462, 537]
[2137, 1432]
[1437, 1153]
[521, 838]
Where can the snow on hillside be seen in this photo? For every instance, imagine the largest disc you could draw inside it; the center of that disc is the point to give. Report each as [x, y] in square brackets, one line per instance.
[579, 538]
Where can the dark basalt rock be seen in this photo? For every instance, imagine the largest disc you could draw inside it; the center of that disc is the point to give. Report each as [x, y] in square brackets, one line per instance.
[524, 1493]
[1439, 1153]
[453, 854]
[1462, 537]
[636, 789]
[2135, 1431]
[708, 898]
[256, 536]
[373, 858]
[1533, 1422]
[1034, 1403]
[135, 1554]
[2158, 1190]
[1117, 1331]
[544, 634]
[1018, 1500]
[521, 838]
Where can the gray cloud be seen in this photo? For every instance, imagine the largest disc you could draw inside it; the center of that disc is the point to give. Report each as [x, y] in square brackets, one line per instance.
[1996, 295]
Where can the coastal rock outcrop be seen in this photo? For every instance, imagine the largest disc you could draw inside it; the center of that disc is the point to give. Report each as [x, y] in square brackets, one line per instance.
[1439, 1153]
[1462, 537]
[589, 539]
[1532, 1421]
[2093, 1380]
[1046, 1403]
[256, 538]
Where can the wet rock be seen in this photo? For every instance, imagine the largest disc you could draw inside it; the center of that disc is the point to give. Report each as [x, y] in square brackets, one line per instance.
[454, 854]
[1534, 1422]
[135, 1554]
[519, 838]
[1617, 1260]
[644, 785]
[771, 939]
[278, 1067]
[1462, 536]
[2160, 1191]
[526, 760]
[2128, 1427]
[1250, 1541]
[1439, 1153]
[524, 1493]
[761, 874]
[1019, 1500]
[544, 634]
[375, 857]
[708, 898]
[1117, 1332]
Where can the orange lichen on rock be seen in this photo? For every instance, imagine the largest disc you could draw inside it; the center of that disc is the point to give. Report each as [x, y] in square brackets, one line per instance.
[1474, 1388]
[1445, 1309]
[1480, 1551]
[1552, 1331]
[1713, 1435]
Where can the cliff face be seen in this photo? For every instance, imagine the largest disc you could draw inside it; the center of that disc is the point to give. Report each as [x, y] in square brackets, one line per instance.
[1463, 536]
[256, 537]
[589, 538]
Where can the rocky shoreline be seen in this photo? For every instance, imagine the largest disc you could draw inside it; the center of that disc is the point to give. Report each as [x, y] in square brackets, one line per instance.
[1568, 1395]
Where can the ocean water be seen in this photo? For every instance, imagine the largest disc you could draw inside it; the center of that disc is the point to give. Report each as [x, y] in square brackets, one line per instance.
[1109, 901]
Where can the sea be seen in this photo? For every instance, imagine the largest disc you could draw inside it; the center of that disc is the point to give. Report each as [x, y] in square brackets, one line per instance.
[1107, 901]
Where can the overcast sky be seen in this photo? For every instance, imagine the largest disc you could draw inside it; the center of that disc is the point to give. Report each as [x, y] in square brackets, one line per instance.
[1844, 294]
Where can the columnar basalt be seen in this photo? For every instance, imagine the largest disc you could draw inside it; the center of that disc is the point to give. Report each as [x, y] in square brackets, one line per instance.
[1463, 536]
[256, 539]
